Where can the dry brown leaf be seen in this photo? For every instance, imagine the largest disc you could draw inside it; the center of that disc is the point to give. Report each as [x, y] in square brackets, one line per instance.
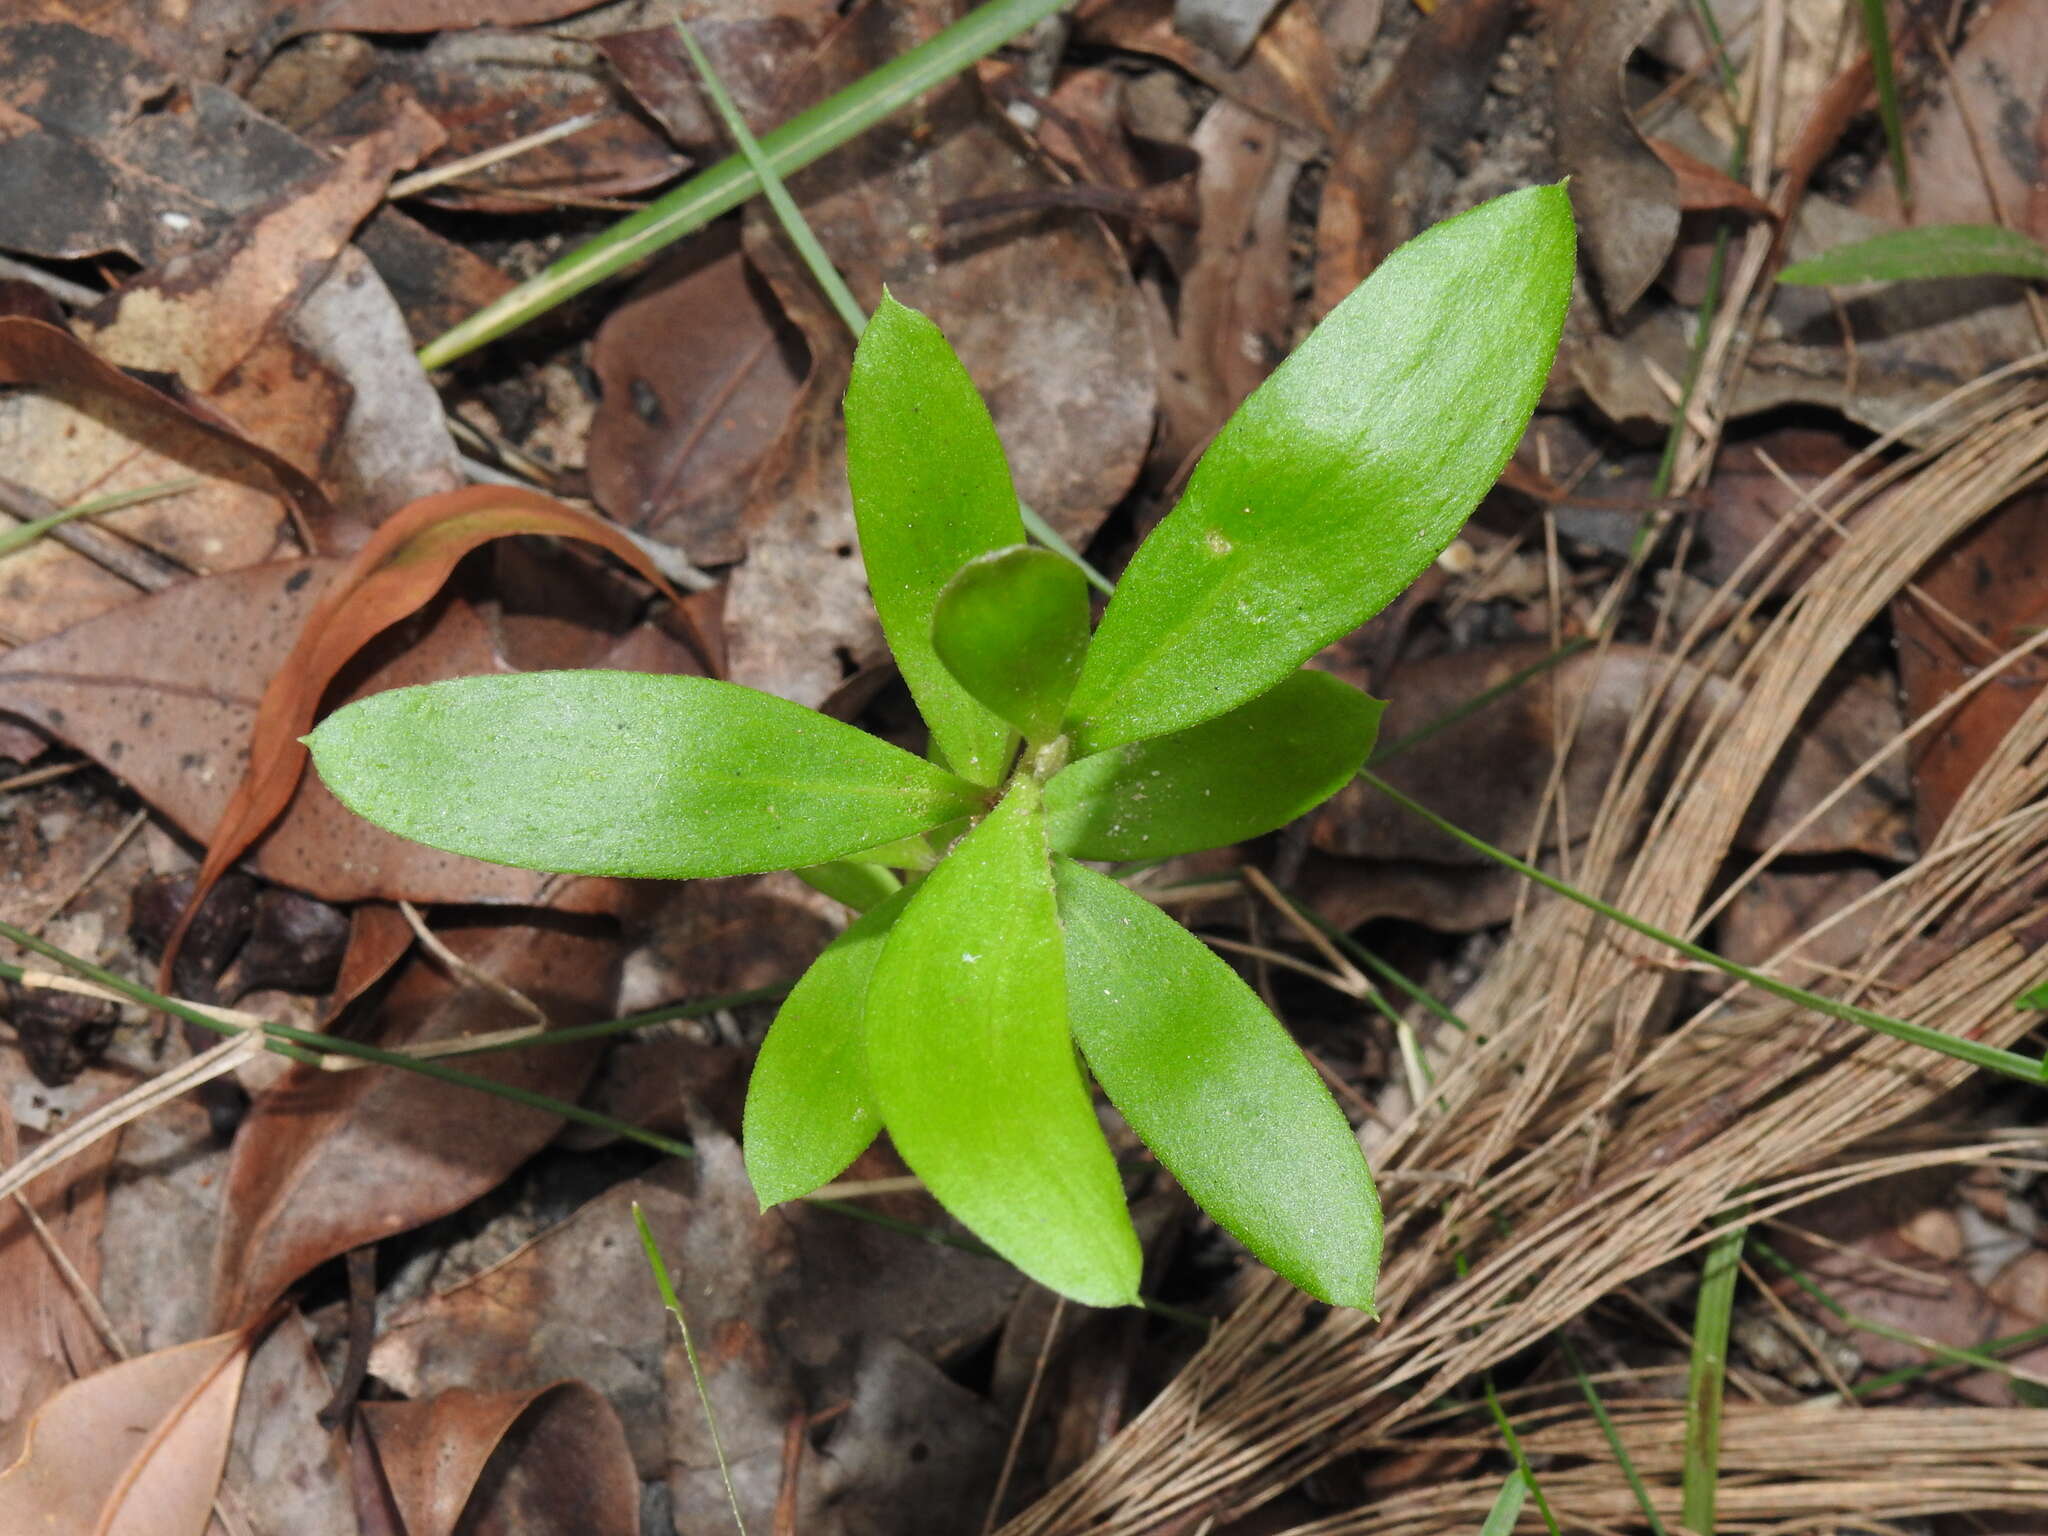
[46, 1338]
[133, 1450]
[551, 1462]
[784, 1308]
[699, 371]
[47, 590]
[1626, 197]
[104, 150]
[489, 88]
[2001, 74]
[328, 1161]
[1994, 580]
[282, 1463]
[1235, 316]
[1390, 168]
[252, 327]
[1290, 76]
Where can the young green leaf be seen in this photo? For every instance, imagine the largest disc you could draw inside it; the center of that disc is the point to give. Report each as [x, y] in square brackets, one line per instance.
[1342, 477]
[625, 773]
[931, 490]
[972, 1067]
[1218, 1089]
[1937, 250]
[852, 883]
[809, 1112]
[1227, 779]
[1012, 628]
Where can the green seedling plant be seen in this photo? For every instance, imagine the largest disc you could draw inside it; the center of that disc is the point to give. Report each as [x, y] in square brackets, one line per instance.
[994, 969]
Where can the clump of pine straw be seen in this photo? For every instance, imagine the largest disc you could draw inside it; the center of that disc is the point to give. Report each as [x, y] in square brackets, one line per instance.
[1590, 1136]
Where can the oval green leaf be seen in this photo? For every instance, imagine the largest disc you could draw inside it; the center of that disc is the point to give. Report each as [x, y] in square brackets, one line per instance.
[970, 1061]
[1342, 477]
[1012, 628]
[1218, 1089]
[931, 490]
[1938, 250]
[625, 773]
[809, 1112]
[1237, 776]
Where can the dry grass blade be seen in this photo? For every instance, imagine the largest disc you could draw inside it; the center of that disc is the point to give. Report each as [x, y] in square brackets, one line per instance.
[1582, 1166]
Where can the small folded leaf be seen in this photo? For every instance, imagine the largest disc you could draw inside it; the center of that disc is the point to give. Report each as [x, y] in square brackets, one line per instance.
[1012, 628]
[931, 490]
[625, 773]
[809, 1112]
[1342, 477]
[971, 1064]
[1937, 250]
[1218, 1089]
[854, 884]
[1227, 779]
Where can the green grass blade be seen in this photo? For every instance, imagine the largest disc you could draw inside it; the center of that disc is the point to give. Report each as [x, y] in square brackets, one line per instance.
[724, 186]
[1514, 1444]
[1500, 1520]
[674, 1306]
[1884, 73]
[1614, 1442]
[1702, 1469]
[823, 273]
[1931, 251]
[21, 537]
[1990, 1057]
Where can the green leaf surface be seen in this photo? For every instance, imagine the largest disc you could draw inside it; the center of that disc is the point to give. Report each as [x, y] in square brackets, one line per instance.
[1937, 250]
[1227, 779]
[1012, 628]
[809, 1112]
[1342, 477]
[931, 490]
[625, 773]
[974, 1070]
[1218, 1089]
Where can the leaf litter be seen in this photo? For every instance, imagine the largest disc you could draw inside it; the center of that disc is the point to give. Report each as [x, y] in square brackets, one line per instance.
[1809, 725]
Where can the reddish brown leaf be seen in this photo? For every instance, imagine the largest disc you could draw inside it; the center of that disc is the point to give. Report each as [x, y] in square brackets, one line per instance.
[328, 1161]
[399, 569]
[547, 1463]
[40, 356]
[1701, 186]
[136, 1449]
